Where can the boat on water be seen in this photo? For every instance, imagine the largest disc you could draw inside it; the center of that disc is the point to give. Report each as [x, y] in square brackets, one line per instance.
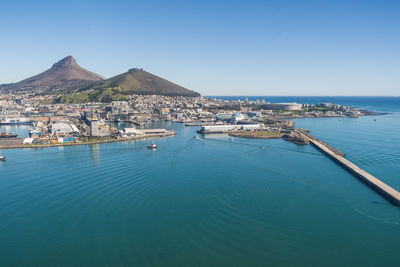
[152, 146]
[17, 121]
[2, 158]
[8, 135]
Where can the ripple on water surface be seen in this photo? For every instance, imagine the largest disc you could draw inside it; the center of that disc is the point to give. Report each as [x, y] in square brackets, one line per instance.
[209, 201]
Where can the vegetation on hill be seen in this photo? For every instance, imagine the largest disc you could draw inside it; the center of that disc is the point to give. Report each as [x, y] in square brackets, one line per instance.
[104, 95]
[135, 81]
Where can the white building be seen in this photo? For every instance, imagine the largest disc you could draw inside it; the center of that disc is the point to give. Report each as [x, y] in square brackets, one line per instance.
[227, 128]
[236, 117]
[27, 141]
[131, 132]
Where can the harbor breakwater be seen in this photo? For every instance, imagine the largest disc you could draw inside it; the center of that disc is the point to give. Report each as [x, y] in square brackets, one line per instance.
[374, 183]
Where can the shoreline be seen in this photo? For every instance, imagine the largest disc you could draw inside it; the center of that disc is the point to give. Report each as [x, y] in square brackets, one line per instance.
[257, 135]
[364, 114]
[90, 142]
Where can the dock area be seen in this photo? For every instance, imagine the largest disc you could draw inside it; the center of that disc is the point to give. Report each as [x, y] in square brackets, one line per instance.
[92, 142]
[8, 142]
[377, 185]
[199, 124]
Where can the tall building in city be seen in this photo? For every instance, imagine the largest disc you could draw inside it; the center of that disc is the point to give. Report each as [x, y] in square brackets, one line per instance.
[94, 126]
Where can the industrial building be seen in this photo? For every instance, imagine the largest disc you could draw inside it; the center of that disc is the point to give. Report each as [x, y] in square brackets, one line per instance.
[94, 127]
[281, 106]
[63, 128]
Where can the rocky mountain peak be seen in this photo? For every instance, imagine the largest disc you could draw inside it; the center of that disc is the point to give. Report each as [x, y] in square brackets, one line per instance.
[68, 61]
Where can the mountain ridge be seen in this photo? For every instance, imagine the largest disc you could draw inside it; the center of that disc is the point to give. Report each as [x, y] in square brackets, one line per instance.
[139, 81]
[71, 83]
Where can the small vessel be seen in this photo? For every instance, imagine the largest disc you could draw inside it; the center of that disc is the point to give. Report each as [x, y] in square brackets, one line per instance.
[152, 146]
[262, 147]
[2, 158]
[7, 135]
[16, 121]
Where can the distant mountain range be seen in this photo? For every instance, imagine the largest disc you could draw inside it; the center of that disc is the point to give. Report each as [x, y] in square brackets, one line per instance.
[71, 83]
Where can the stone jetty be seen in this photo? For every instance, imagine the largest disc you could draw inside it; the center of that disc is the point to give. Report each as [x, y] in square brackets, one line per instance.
[377, 185]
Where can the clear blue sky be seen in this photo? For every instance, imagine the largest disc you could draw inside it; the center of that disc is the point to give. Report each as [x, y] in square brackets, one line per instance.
[215, 47]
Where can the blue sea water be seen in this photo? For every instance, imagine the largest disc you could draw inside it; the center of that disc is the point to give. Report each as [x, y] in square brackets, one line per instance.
[210, 201]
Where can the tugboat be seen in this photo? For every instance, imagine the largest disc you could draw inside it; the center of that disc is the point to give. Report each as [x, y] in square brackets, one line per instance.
[152, 146]
[2, 158]
[7, 135]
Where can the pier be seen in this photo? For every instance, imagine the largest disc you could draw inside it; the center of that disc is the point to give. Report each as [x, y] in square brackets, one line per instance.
[377, 185]
[18, 142]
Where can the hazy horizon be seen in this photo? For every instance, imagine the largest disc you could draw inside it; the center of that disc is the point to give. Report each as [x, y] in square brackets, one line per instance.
[264, 48]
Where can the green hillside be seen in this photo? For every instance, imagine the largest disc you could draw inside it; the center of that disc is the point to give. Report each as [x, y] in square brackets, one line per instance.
[135, 81]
